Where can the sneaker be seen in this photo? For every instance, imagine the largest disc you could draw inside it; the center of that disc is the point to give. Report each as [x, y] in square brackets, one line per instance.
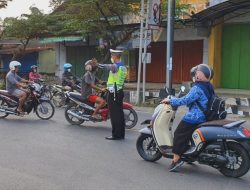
[96, 117]
[176, 165]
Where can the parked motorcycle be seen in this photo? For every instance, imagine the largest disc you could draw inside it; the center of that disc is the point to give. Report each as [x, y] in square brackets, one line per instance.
[80, 110]
[58, 93]
[222, 144]
[41, 105]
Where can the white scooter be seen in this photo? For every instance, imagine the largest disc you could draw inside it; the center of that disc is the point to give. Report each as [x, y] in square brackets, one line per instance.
[221, 144]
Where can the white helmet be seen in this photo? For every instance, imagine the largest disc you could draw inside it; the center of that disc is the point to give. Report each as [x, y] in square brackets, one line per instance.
[14, 64]
[88, 66]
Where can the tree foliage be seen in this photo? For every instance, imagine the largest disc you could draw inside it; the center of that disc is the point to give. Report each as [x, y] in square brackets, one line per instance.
[181, 9]
[25, 28]
[101, 18]
[4, 3]
[56, 3]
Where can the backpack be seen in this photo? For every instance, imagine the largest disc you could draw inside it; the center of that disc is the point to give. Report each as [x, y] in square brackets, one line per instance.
[216, 108]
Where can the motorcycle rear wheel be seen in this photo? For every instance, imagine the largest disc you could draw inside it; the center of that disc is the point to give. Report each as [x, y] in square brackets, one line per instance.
[239, 161]
[151, 153]
[130, 117]
[2, 105]
[71, 119]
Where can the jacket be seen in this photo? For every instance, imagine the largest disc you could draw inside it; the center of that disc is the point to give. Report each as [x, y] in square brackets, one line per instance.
[201, 91]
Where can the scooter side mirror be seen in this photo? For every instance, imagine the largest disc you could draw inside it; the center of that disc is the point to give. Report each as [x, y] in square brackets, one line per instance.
[183, 88]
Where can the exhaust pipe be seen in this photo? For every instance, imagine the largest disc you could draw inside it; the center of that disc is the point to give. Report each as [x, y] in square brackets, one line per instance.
[84, 117]
[7, 111]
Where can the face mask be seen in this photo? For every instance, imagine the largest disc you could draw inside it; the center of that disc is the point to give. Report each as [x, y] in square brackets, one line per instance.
[69, 70]
[112, 60]
[35, 70]
[193, 79]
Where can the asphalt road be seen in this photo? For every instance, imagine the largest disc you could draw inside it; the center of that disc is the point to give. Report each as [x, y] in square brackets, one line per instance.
[53, 155]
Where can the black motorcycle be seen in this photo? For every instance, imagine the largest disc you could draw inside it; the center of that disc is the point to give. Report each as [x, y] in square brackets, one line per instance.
[41, 105]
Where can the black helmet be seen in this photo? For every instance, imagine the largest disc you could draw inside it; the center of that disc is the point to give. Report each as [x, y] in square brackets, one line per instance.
[206, 70]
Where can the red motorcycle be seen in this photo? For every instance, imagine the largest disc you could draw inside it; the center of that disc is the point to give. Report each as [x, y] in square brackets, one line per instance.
[80, 110]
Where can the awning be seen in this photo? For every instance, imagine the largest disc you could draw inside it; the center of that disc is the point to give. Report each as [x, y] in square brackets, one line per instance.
[27, 50]
[233, 8]
[61, 39]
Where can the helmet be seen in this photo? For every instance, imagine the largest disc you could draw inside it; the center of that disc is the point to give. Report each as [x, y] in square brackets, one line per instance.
[88, 66]
[91, 65]
[33, 67]
[14, 64]
[67, 66]
[193, 72]
[206, 70]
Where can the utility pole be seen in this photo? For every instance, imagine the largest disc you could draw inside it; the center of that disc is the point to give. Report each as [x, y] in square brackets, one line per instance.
[140, 54]
[170, 44]
[144, 61]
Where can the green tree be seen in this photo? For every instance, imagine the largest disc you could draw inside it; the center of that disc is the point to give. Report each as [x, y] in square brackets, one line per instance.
[102, 18]
[25, 28]
[56, 3]
[4, 3]
[181, 10]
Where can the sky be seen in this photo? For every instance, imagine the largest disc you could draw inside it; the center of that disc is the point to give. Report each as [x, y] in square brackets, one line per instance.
[18, 7]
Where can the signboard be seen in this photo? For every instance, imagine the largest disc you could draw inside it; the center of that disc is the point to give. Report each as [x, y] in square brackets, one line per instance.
[147, 58]
[154, 14]
[136, 38]
[61, 39]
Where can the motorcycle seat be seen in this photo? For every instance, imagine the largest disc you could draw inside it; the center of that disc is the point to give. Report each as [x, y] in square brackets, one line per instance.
[77, 96]
[6, 93]
[223, 123]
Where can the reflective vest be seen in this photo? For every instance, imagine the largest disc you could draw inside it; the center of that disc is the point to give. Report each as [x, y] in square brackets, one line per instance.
[117, 78]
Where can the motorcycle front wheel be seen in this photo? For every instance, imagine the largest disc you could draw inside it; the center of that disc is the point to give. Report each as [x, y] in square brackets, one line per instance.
[71, 119]
[130, 117]
[146, 147]
[3, 105]
[238, 161]
[45, 110]
[47, 93]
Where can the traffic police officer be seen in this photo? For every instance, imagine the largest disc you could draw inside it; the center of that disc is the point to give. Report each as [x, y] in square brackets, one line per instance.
[115, 84]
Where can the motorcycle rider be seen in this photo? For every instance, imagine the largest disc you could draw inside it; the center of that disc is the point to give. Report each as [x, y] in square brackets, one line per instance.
[67, 77]
[34, 75]
[89, 82]
[202, 88]
[15, 85]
